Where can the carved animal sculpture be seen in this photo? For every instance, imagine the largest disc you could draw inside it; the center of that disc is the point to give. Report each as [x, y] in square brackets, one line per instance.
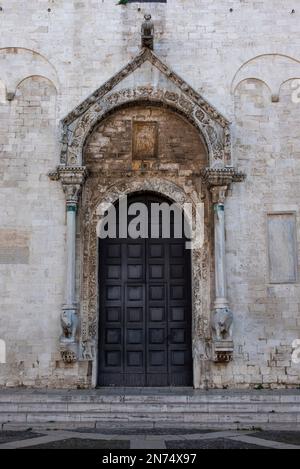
[148, 32]
[69, 322]
[222, 323]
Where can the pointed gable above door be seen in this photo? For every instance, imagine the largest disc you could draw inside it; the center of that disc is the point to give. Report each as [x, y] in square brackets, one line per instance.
[146, 79]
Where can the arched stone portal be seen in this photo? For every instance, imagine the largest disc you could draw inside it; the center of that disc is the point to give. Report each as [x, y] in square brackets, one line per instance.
[114, 171]
[134, 135]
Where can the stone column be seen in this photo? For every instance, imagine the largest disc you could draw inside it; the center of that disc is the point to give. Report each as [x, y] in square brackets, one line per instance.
[218, 182]
[218, 199]
[72, 195]
[72, 179]
[222, 317]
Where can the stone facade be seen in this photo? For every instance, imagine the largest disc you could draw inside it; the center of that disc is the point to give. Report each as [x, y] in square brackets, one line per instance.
[219, 95]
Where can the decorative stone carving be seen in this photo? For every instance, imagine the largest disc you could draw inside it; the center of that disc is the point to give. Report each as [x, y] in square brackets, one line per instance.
[222, 351]
[69, 324]
[224, 176]
[218, 195]
[97, 192]
[148, 32]
[88, 350]
[218, 180]
[72, 179]
[215, 130]
[222, 324]
[69, 356]
[211, 124]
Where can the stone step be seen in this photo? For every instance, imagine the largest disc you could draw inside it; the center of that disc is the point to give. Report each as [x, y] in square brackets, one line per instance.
[200, 409]
[164, 407]
[189, 397]
[209, 419]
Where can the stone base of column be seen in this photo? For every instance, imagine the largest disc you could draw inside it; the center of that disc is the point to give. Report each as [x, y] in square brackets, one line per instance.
[69, 347]
[222, 330]
[220, 303]
[222, 351]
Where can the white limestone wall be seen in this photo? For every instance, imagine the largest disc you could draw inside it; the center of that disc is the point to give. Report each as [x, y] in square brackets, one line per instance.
[65, 54]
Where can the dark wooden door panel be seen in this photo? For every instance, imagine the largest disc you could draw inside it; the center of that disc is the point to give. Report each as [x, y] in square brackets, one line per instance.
[145, 312]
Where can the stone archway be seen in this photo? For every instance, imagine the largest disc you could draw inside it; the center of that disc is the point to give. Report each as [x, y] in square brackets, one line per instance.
[193, 183]
[200, 270]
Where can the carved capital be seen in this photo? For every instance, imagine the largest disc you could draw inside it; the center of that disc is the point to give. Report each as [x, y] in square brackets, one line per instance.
[218, 194]
[72, 193]
[72, 179]
[225, 176]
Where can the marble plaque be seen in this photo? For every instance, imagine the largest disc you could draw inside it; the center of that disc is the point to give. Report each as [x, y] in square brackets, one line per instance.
[282, 248]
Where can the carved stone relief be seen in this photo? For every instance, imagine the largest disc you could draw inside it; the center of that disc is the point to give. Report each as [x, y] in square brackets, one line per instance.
[212, 126]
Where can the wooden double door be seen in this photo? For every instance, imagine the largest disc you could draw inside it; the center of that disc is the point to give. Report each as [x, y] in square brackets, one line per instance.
[145, 310]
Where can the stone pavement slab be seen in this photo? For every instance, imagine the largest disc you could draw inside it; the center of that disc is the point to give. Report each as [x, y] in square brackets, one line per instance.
[79, 443]
[10, 436]
[218, 443]
[291, 437]
[171, 438]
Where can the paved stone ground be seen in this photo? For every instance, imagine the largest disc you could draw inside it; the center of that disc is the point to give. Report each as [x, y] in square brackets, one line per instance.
[172, 438]
[9, 436]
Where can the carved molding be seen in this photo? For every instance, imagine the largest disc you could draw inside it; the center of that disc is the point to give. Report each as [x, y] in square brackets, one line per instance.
[96, 193]
[72, 179]
[143, 56]
[213, 177]
[213, 127]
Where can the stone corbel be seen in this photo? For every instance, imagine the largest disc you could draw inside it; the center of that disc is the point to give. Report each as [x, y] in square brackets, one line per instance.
[218, 182]
[72, 179]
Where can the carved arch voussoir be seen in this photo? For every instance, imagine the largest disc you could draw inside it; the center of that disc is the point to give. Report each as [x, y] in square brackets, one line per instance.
[214, 133]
